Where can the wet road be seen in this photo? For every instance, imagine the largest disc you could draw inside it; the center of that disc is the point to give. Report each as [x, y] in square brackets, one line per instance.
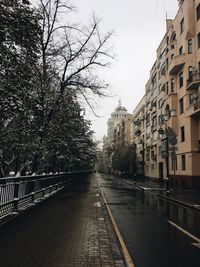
[149, 226]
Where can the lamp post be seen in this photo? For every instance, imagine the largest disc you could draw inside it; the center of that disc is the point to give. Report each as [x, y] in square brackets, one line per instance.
[143, 154]
[165, 153]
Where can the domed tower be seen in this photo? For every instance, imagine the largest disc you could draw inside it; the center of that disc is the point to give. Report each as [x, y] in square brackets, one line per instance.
[119, 114]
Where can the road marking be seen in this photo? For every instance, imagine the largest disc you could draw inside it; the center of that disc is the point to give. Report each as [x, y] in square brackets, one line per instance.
[127, 256]
[196, 245]
[185, 232]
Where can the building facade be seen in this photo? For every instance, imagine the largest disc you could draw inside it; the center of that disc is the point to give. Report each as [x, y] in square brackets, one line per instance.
[170, 133]
[117, 116]
[115, 125]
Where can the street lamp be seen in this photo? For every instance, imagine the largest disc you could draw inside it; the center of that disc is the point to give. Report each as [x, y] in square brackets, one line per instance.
[165, 153]
[143, 154]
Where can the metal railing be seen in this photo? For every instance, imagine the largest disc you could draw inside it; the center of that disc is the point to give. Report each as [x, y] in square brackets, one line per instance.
[194, 77]
[196, 105]
[19, 193]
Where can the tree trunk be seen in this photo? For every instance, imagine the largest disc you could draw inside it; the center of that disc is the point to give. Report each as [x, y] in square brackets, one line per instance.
[35, 164]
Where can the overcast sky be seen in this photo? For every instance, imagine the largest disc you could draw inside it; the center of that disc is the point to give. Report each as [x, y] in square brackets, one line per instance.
[139, 27]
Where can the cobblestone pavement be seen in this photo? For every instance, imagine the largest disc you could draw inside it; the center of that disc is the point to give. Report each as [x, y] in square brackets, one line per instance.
[72, 229]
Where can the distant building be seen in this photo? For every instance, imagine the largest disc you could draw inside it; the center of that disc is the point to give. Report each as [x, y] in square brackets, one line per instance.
[117, 116]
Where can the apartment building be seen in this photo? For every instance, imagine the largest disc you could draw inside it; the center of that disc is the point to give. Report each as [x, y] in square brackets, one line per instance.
[117, 116]
[123, 133]
[117, 132]
[139, 131]
[171, 134]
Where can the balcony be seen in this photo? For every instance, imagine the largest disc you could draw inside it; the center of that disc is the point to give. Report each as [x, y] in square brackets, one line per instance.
[194, 110]
[194, 81]
[197, 106]
[176, 64]
[163, 69]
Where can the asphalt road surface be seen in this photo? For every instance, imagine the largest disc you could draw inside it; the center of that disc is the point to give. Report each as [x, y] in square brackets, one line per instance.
[157, 233]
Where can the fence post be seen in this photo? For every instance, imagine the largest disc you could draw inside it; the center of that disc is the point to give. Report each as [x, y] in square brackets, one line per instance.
[32, 191]
[16, 197]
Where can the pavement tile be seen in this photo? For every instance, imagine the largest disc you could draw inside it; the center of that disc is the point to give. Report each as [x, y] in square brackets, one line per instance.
[69, 230]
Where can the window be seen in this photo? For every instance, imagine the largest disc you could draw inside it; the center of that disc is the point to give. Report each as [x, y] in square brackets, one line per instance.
[198, 12]
[154, 121]
[181, 106]
[160, 103]
[152, 167]
[160, 88]
[198, 40]
[172, 85]
[160, 119]
[166, 88]
[173, 36]
[174, 162]
[159, 150]
[147, 119]
[154, 82]
[183, 162]
[167, 64]
[181, 79]
[189, 46]
[182, 26]
[181, 50]
[182, 134]
[167, 112]
[192, 98]
[190, 73]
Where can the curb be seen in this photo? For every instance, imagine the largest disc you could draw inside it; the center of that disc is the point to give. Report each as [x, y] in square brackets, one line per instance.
[179, 202]
[124, 251]
[182, 203]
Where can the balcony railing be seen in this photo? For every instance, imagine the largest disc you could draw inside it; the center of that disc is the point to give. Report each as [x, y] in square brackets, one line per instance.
[194, 81]
[196, 105]
[176, 64]
[163, 69]
[194, 109]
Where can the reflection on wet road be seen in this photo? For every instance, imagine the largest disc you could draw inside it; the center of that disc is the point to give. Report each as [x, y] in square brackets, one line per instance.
[152, 228]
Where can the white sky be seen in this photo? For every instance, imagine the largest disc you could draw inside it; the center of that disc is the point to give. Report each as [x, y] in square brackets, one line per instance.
[139, 27]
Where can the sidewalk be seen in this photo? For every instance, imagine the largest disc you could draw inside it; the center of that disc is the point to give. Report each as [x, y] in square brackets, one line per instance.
[72, 229]
[190, 198]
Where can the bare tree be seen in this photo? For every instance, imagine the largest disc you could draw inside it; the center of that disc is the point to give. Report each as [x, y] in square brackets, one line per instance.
[71, 55]
[74, 52]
